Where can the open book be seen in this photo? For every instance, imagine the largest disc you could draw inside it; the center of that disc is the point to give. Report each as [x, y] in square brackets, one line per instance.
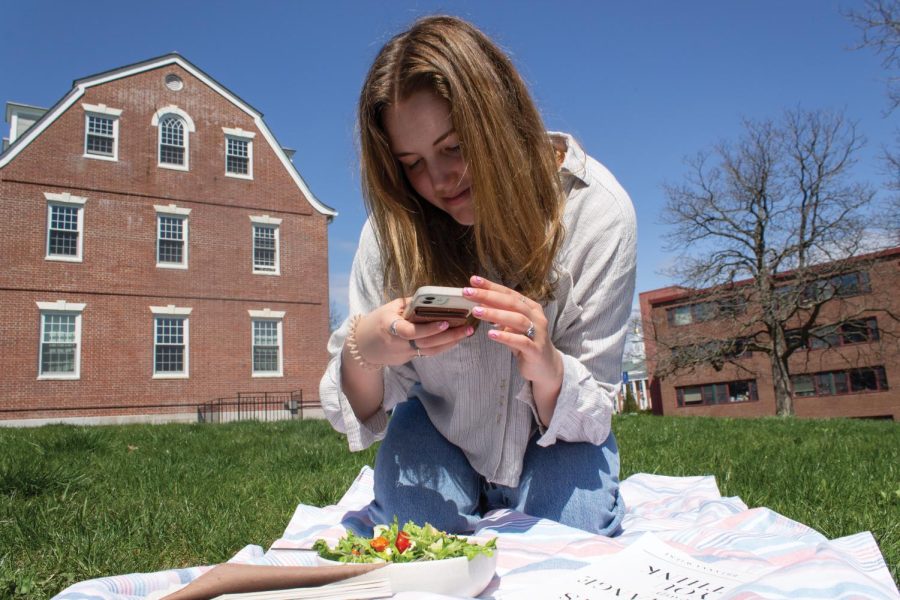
[648, 569]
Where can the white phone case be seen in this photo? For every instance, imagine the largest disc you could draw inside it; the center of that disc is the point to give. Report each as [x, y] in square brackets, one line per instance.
[436, 303]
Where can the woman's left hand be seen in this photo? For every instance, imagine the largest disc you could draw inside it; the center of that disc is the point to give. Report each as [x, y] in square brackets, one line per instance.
[521, 326]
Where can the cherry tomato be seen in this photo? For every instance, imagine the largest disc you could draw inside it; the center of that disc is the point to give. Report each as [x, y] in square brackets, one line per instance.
[379, 543]
[402, 542]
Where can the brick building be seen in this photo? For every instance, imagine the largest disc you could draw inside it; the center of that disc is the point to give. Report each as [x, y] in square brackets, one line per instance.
[848, 367]
[159, 248]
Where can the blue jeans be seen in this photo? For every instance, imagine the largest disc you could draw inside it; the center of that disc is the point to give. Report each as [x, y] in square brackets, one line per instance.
[420, 476]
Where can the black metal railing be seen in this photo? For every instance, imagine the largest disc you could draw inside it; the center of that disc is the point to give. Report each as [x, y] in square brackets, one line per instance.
[259, 406]
[256, 406]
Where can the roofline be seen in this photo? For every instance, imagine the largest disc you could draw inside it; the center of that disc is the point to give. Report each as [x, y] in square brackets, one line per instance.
[10, 104]
[80, 85]
[688, 292]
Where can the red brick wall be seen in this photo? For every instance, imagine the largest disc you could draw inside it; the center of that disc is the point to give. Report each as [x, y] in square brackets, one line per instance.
[118, 278]
[885, 280]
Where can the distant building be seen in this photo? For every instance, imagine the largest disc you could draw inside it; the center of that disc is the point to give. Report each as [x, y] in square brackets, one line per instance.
[850, 368]
[159, 248]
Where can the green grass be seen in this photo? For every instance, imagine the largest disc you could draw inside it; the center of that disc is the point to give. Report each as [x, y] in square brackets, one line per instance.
[78, 503]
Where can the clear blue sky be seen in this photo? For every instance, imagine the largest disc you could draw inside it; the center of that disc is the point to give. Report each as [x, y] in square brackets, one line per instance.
[641, 84]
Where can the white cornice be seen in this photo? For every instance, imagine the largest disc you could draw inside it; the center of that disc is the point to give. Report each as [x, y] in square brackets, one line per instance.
[265, 220]
[101, 109]
[238, 132]
[266, 314]
[61, 306]
[171, 209]
[170, 310]
[65, 198]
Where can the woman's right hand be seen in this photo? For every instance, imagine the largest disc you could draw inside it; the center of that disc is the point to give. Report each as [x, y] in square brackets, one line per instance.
[384, 337]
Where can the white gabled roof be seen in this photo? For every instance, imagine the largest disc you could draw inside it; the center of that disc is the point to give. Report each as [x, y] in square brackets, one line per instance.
[80, 85]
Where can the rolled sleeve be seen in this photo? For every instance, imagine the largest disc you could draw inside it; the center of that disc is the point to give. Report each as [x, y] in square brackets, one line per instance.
[590, 331]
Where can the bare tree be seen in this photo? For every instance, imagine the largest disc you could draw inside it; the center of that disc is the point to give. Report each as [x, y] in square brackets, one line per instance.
[879, 25]
[770, 229]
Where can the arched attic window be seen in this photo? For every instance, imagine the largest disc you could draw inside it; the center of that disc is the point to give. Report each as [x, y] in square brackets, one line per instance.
[173, 139]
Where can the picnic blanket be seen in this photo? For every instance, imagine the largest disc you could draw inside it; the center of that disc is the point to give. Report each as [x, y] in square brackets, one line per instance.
[688, 513]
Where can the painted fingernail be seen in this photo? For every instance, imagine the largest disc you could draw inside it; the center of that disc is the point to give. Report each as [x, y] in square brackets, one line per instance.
[444, 325]
[478, 311]
[468, 291]
[478, 280]
[494, 334]
[470, 330]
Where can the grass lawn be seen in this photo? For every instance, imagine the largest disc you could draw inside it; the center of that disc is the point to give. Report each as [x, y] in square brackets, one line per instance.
[78, 503]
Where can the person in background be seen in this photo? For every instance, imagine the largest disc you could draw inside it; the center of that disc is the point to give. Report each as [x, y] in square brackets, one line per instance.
[464, 187]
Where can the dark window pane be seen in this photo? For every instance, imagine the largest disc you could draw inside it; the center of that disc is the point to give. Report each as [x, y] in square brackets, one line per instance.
[863, 380]
[57, 358]
[825, 384]
[881, 376]
[840, 382]
[170, 251]
[265, 359]
[704, 311]
[740, 391]
[803, 385]
[63, 243]
[169, 359]
[171, 155]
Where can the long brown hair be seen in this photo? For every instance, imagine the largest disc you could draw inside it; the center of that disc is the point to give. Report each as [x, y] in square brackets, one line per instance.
[515, 188]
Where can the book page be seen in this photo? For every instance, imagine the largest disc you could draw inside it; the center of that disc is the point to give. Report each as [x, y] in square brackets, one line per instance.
[648, 569]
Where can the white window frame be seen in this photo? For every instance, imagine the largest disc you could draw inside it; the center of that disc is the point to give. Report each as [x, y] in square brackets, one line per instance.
[189, 128]
[104, 112]
[69, 201]
[244, 136]
[272, 223]
[268, 315]
[60, 307]
[176, 212]
[172, 312]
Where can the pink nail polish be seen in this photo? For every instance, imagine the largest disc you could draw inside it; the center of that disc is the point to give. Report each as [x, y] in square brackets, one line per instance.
[470, 330]
[478, 311]
[493, 334]
[478, 280]
[444, 325]
[468, 291]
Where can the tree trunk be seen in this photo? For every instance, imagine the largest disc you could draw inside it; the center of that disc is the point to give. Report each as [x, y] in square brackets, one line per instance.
[784, 391]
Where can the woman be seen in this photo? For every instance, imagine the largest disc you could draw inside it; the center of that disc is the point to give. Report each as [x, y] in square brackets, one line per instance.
[465, 188]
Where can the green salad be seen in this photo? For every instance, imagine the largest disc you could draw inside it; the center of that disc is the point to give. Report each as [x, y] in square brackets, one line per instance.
[393, 544]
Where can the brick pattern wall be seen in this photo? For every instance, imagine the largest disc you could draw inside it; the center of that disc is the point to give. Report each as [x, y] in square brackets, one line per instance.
[118, 278]
[885, 280]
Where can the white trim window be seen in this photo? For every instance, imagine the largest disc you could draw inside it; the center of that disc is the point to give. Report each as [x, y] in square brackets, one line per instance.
[59, 356]
[173, 138]
[238, 153]
[266, 342]
[266, 244]
[101, 132]
[172, 142]
[171, 347]
[171, 237]
[65, 227]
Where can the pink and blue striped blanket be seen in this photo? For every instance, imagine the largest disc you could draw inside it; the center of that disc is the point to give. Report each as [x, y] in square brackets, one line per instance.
[688, 513]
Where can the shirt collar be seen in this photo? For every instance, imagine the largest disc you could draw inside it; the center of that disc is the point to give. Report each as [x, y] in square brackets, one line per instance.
[575, 161]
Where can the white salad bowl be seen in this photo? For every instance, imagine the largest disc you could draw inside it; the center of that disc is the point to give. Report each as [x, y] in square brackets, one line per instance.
[450, 576]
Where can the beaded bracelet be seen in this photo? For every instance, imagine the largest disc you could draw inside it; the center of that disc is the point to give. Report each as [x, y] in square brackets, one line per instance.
[353, 346]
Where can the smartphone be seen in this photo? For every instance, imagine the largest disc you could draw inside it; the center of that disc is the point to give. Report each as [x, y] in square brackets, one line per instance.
[435, 303]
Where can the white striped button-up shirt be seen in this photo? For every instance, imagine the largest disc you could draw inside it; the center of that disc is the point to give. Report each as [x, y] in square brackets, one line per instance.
[474, 393]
